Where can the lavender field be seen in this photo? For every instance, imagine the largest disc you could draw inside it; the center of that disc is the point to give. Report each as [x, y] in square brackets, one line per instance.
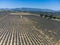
[28, 30]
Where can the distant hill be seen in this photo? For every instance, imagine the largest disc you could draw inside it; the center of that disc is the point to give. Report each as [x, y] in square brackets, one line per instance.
[37, 10]
[33, 10]
[29, 9]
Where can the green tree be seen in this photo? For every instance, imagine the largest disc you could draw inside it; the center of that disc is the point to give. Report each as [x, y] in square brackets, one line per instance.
[51, 16]
[54, 17]
[46, 15]
[41, 15]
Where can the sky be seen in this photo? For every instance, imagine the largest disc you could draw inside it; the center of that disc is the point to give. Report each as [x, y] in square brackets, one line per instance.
[42, 4]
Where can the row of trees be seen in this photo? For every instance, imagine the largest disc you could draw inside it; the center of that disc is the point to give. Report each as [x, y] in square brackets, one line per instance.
[49, 16]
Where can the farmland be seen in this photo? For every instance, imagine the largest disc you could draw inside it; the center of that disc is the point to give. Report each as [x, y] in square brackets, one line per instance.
[28, 30]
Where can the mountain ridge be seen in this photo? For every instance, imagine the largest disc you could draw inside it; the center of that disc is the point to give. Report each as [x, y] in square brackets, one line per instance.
[29, 9]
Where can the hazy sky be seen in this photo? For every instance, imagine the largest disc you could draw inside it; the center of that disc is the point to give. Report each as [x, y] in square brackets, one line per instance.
[44, 4]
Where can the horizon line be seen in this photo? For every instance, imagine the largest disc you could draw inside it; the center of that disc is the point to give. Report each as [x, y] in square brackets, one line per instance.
[28, 7]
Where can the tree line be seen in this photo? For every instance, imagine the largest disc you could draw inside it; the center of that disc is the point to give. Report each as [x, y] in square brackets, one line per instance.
[49, 16]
